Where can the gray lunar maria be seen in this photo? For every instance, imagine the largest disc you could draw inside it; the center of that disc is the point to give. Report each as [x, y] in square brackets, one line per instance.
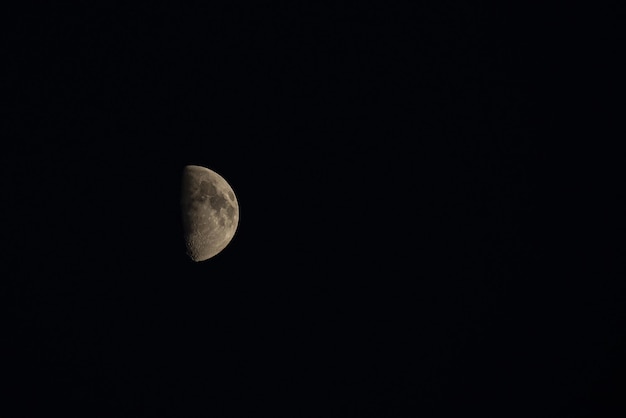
[210, 212]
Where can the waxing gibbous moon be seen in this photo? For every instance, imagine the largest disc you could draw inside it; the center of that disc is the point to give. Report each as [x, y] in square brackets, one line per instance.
[210, 212]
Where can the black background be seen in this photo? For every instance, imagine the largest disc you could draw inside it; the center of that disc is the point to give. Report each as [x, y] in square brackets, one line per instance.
[413, 239]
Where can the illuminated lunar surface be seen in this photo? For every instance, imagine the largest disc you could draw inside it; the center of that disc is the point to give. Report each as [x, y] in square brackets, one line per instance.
[210, 212]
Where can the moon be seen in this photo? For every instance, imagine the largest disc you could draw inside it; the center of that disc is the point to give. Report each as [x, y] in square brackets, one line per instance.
[210, 212]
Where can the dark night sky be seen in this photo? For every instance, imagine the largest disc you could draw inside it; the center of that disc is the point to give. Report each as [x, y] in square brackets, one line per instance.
[412, 242]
